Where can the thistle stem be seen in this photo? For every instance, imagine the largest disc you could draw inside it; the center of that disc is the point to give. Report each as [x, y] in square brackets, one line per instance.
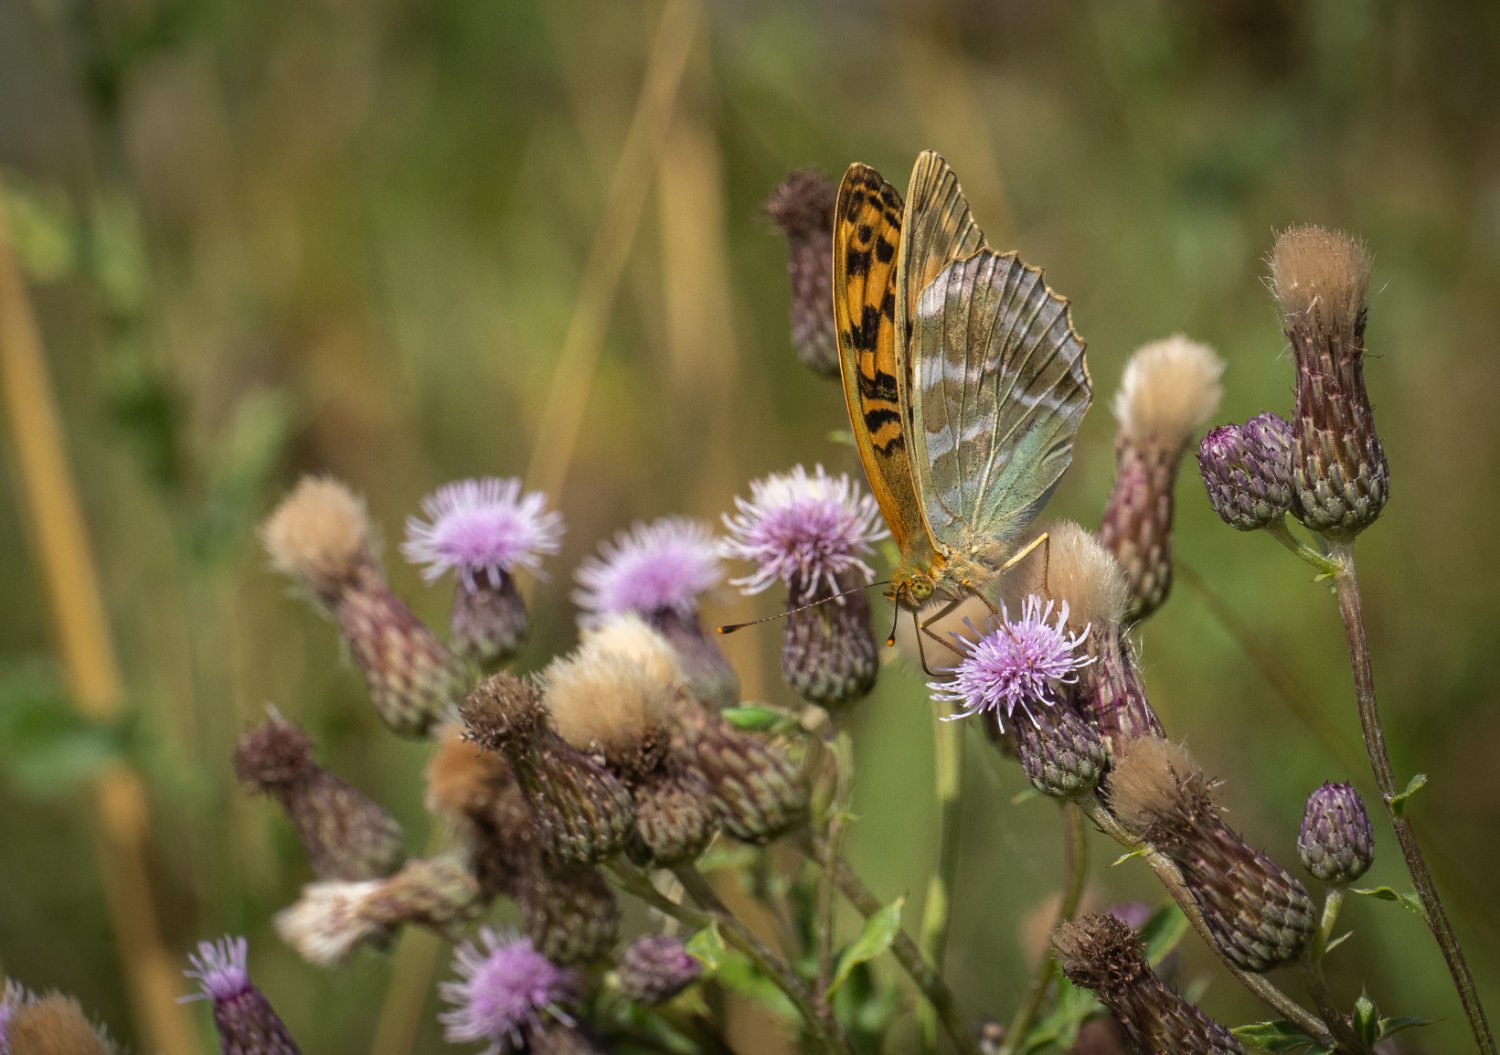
[1317, 986]
[1077, 872]
[1176, 886]
[1279, 531]
[905, 951]
[947, 775]
[823, 1027]
[1331, 906]
[1351, 609]
[843, 781]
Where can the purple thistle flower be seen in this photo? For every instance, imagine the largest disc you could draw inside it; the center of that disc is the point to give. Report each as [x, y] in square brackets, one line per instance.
[508, 989]
[661, 566]
[1014, 666]
[247, 1023]
[803, 529]
[483, 525]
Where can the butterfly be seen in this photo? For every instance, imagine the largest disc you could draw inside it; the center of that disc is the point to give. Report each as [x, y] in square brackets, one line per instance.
[963, 376]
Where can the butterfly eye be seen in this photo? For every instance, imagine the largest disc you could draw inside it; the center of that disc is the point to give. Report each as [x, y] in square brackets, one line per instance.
[921, 587]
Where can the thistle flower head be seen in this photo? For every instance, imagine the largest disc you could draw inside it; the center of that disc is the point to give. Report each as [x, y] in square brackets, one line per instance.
[1323, 276]
[506, 990]
[1017, 666]
[244, 1017]
[482, 526]
[804, 529]
[53, 1022]
[664, 565]
[330, 920]
[1336, 842]
[12, 998]
[656, 968]
[319, 534]
[1078, 571]
[275, 755]
[1247, 471]
[802, 206]
[1170, 387]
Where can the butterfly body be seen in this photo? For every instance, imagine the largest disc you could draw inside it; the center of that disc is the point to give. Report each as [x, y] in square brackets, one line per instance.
[964, 380]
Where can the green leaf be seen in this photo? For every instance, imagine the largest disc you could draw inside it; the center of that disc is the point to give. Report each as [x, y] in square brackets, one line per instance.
[1389, 1026]
[1366, 1020]
[1276, 1036]
[760, 719]
[1407, 899]
[1336, 942]
[1139, 852]
[1060, 1026]
[1398, 802]
[880, 930]
[1024, 795]
[46, 747]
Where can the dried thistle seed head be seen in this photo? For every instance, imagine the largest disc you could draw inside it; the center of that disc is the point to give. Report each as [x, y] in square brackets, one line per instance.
[802, 206]
[568, 911]
[504, 713]
[319, 535]
[246, 1022]
[506, 993]
[1073, 568]
[463, 778]
[614, 701]
[346, 834]
[654, 969]
[274, 756]
[1336, 842]
[333, 918]
[1063, 755]
[53, 1024]
[1323, 277]
[1158, 790]
[1247, 471]
[1169, 389]
[1340, 475]
[1102, 953]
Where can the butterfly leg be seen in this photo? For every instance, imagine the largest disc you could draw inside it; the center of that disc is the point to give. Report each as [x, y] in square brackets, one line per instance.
[925, 628]
[1043, 540]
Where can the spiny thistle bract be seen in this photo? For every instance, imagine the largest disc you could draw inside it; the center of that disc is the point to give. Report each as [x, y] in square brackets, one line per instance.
[246, 1022]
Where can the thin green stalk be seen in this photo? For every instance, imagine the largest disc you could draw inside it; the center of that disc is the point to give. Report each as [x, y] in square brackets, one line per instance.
[1331, 906]
[1076, 873]
[905, 951]
[1176, 886]
[947, 775]
[824, 1029]
[1279, 531]
[1351, 609]
[843, 783]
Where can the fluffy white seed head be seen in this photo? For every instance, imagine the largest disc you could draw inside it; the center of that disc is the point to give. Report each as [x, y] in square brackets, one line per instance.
[615, 691]
[328, 922]
[1321, 273]
[1073, 566]
[1170, 388]
[319, 533]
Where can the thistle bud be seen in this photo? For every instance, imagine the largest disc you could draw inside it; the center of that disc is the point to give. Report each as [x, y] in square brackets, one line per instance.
[760, 793]
[482, 531]
[583, 811]
[654, 969]
[1062, 754]
[1340, 476]
[333, 918]
[1259, 914]
[346, 835]
[1170, 387]
[1084, 577]
[659, 571]
[53, 1024]
[568, 911]
[320, 536]
[810, 532]
[1336, 843]
[1247, 470]
[246, 1022]
[1102, 953]
[802, 206]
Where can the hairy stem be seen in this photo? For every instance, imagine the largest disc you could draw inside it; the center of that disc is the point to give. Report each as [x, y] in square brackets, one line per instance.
[1076, 873]
[947, 775]
[1171, 878]
[1351, 609]
[843, 782]
[1317, 986]
[938, 996]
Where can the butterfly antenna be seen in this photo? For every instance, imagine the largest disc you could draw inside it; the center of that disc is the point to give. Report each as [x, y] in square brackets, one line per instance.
[890, 639]
[729, 628]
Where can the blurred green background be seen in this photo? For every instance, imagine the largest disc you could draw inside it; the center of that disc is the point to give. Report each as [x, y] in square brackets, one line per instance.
[405, 242]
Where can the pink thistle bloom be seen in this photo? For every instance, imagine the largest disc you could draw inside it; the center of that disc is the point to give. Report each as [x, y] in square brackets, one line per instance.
[507, 990]
[485, 525]
[805, 530]
[1016, 666]
[661, 566]
[244, 1017]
